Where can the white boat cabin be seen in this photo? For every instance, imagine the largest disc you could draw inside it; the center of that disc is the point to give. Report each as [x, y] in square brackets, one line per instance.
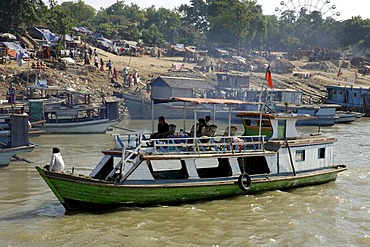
[188, 158]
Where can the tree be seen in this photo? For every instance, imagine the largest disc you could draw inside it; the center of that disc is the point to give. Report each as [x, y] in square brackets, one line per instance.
[234, 16]
[195, 15]
[81, 13]
[127, 21]
[15, 14]
[60, 20]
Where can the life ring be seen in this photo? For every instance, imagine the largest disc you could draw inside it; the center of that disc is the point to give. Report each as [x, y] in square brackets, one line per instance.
[244, 182]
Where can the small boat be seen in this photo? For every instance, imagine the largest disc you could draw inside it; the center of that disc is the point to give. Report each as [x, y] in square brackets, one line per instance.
[324, 114]
[269, 155]
[345, 116]
[70, 118]
[15, 140]
[349, 97]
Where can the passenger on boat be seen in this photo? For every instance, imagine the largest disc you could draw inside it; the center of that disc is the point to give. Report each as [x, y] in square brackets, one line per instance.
[163, 128]
[201, 126]
[208, 120]
[57, 162]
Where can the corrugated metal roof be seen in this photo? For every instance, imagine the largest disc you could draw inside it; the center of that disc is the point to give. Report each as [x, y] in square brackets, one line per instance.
[183, 82]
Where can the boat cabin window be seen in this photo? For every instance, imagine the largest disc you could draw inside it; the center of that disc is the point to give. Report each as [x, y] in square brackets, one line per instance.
[266, 123]
[212, 168]
[251, 127]
[171, 169]
[321, 153]
[300, 155]
[281, 128]
[253, 165]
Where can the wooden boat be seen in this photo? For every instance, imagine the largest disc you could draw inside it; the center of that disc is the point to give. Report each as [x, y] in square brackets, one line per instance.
[349, 97]
[70, 117]
[324, 114]
[177, 169]
[15, 140]
[345, 116]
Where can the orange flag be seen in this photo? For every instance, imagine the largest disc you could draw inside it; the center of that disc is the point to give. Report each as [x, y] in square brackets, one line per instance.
[268, 77]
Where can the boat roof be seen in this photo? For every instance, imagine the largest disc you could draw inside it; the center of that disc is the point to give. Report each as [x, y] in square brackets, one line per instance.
[277, 116]
[310, 106]
[348, 87]
[61, 90]
[213, 101]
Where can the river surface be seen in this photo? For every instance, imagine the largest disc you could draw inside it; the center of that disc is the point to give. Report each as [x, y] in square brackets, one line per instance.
[333, 214]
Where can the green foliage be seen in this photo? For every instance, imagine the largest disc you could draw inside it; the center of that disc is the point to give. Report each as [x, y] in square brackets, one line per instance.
[196, 15]
[21, 14]
[235, 23]
[60, 20]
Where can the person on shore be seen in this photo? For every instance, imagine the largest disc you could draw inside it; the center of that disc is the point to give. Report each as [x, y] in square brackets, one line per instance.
[11, 94]
[115, 74]
[109, 66]
[136, 77]
[57, 162]
[101, 64]
[125, 76]
[96, 62]
[163, 128]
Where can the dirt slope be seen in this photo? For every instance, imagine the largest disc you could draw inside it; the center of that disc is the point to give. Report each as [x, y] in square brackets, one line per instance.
[322, 74]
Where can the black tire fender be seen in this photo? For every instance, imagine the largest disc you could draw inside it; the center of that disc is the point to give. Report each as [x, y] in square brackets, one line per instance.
[244, 182]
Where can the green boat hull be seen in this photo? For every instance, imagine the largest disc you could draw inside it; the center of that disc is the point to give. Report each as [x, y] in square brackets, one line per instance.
[84, 193]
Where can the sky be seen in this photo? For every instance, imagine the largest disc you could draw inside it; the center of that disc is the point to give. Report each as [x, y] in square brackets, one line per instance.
[346, 8]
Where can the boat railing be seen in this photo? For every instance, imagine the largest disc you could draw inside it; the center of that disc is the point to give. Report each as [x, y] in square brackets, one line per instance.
[130, 140]
[185, 144]
[217, 144]
[128, 156]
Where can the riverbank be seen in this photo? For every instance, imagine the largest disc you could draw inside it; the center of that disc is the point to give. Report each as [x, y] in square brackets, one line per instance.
[99, 82]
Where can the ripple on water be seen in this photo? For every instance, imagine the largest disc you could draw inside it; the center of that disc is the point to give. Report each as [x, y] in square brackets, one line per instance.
[333, 214]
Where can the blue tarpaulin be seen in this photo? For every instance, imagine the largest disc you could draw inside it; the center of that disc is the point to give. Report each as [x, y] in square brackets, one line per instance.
[49, 36]
[16, 47]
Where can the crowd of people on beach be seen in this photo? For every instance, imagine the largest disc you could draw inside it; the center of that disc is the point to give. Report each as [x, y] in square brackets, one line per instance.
[86, 54]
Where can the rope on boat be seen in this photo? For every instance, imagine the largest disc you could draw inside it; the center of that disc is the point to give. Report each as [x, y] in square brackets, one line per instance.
[122, 128]
[16, 157]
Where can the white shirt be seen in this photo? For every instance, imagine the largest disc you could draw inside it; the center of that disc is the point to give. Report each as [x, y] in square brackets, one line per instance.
[57, 162]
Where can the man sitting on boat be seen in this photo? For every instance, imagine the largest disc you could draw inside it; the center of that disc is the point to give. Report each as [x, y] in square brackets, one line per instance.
[57, 162]
[163, 128]
[200, 126]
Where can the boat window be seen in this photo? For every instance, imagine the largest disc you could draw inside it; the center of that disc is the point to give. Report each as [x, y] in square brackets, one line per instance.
[321, 153]
[266, 123]
[253, 165]
[212, 168]
[159, 165]
[299, 155]
[281, 128]
[171, 169]
[247, 122]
